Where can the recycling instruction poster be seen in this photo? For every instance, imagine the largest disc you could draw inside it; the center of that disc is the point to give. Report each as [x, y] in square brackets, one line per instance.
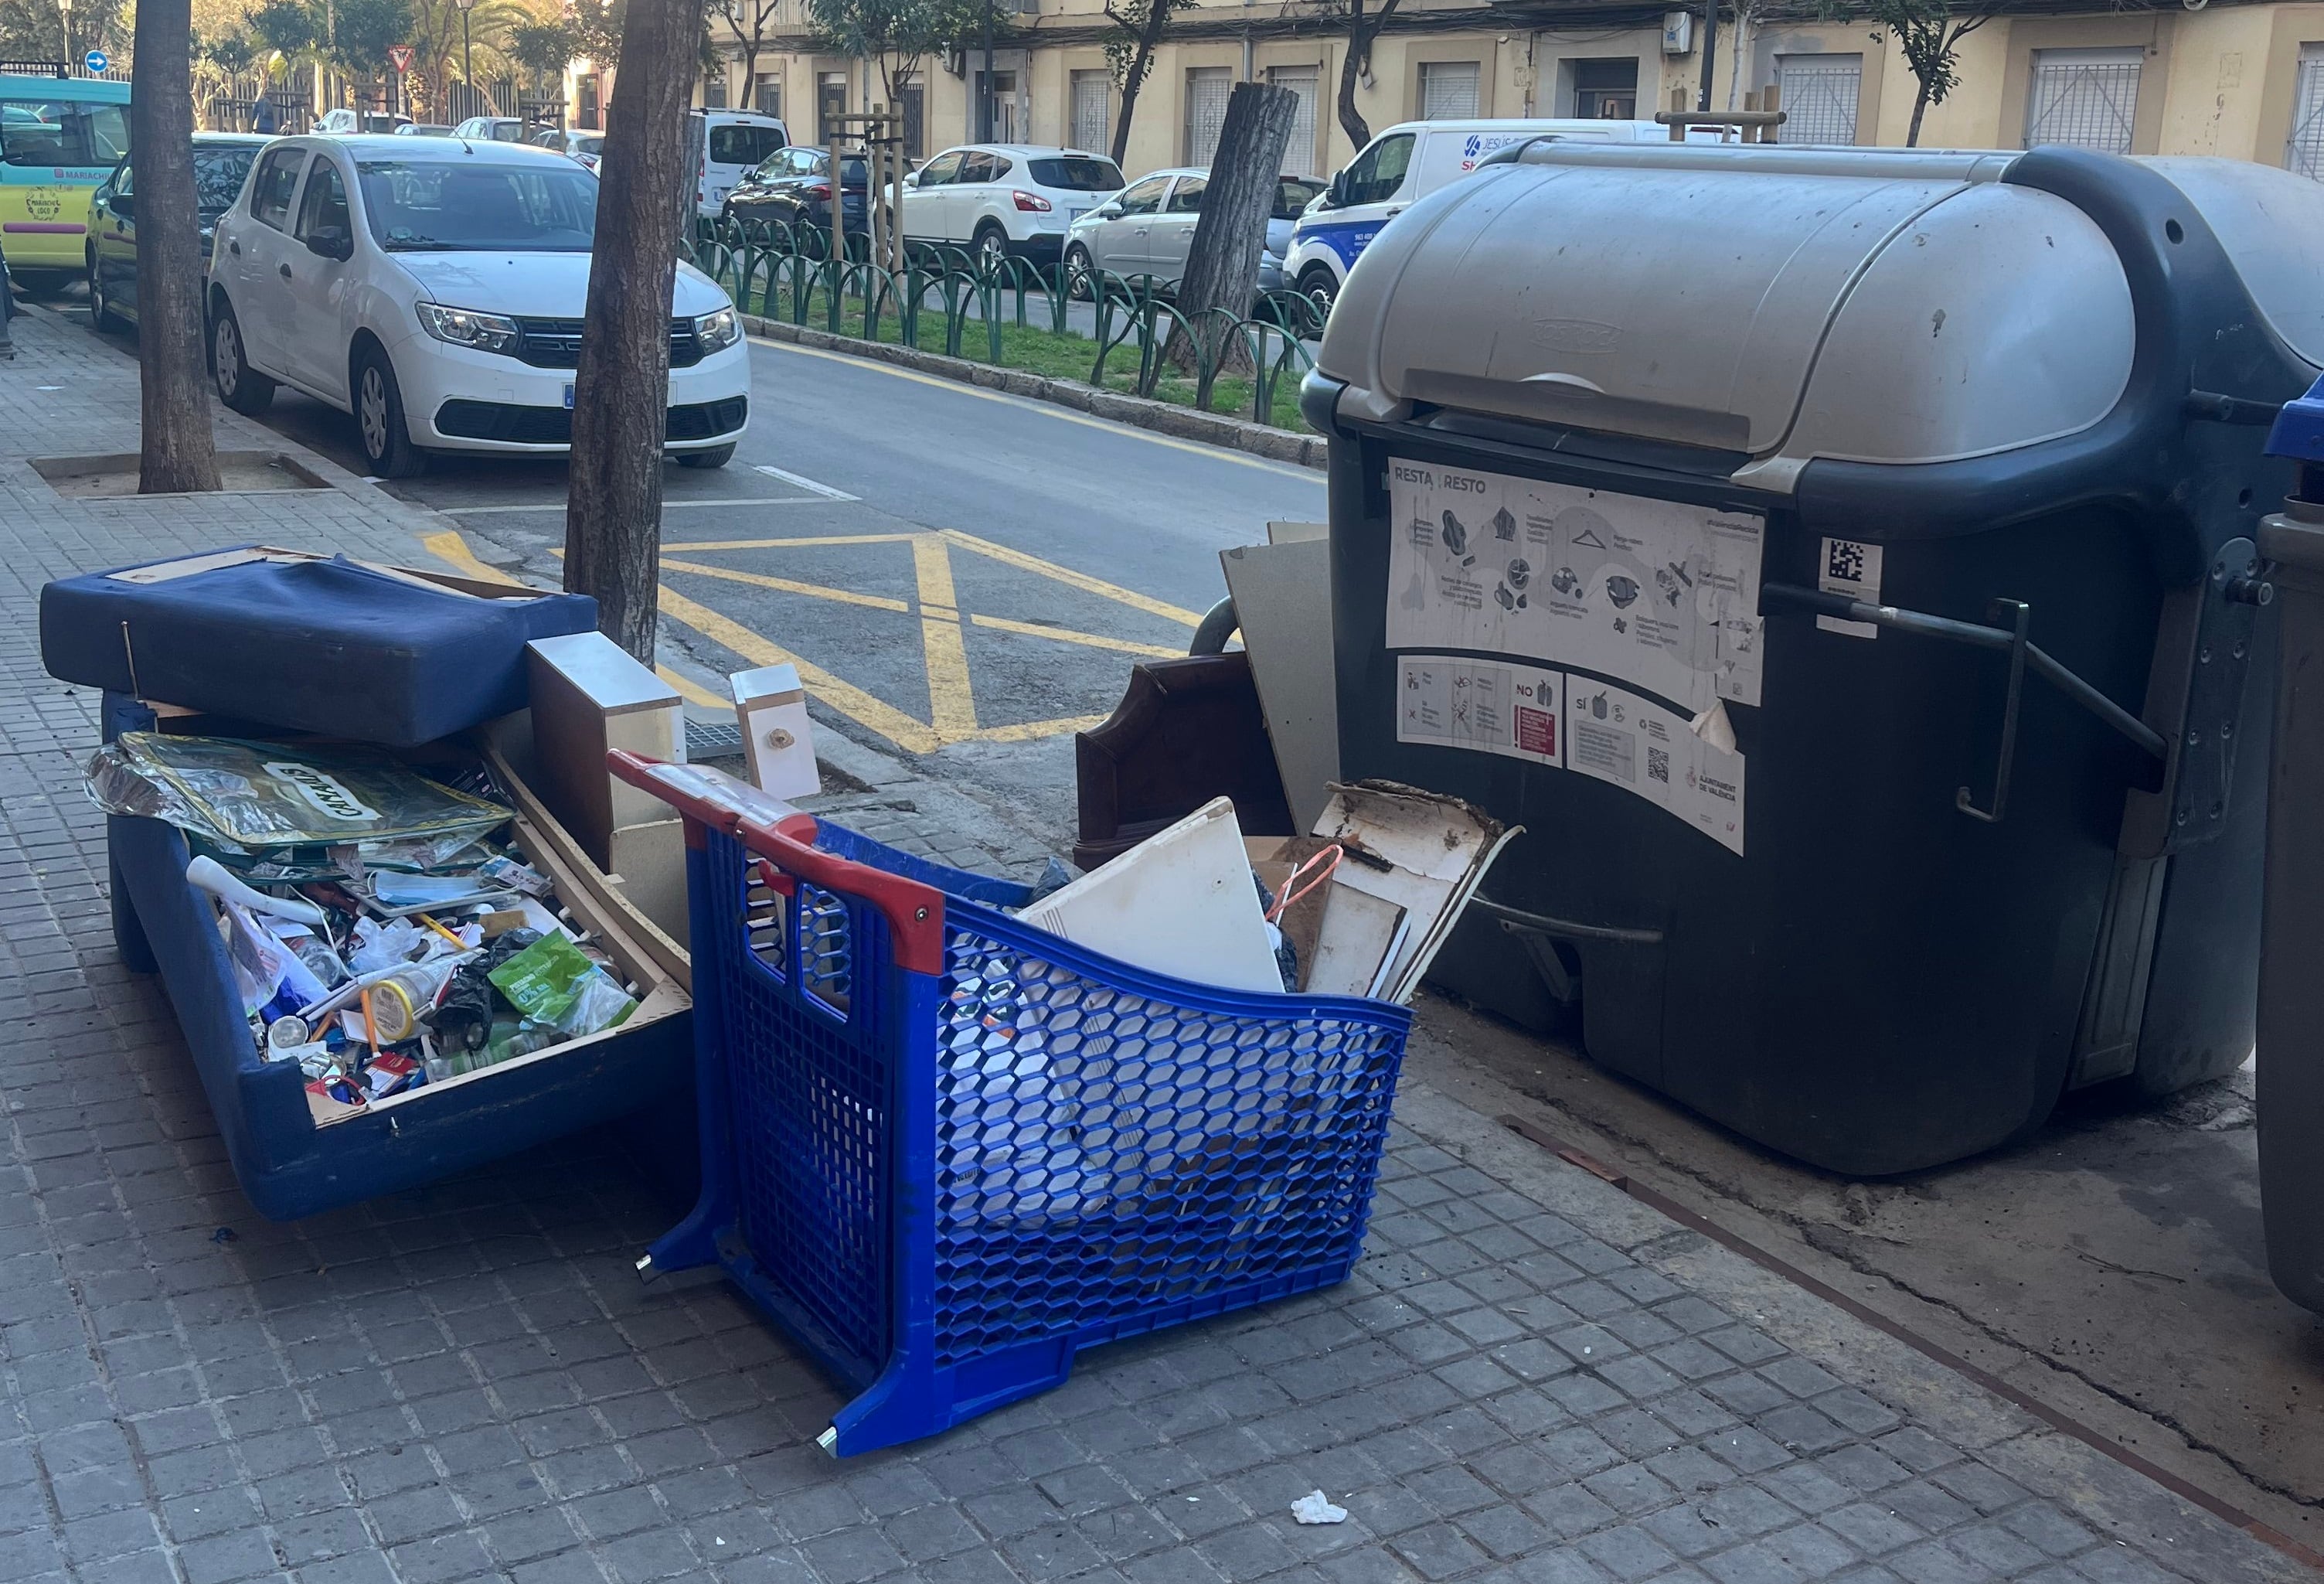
[1662, 594]
[1576, 723]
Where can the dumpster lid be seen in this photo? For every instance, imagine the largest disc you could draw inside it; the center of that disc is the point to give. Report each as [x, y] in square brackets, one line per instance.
[2270, 222]
[1757, 301]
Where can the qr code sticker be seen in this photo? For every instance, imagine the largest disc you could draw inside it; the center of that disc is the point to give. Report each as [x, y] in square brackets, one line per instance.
[1846, 563]
[1658, 764]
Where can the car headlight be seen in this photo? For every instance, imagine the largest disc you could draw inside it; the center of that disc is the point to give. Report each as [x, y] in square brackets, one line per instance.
[464, 327]
[715, 333]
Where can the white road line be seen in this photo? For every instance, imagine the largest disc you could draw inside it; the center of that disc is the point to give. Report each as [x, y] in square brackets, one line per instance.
[781, 500]
[824, 490]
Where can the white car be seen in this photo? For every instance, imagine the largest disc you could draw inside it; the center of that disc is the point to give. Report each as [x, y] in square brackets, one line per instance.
[728, 145]
[1006, 199]
[435, 290]
[491, 129]
[1148, 228]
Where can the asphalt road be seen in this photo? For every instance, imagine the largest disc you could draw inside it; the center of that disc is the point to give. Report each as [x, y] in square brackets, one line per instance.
[964, 576]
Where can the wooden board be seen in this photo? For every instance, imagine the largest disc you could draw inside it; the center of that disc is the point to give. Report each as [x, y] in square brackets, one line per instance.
[1283, 603]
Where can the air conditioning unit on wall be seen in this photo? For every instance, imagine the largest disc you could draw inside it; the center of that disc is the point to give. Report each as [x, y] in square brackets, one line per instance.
[956, 61]
[1678, 32]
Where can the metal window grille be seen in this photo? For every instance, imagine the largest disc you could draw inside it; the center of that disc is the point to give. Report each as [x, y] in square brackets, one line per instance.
[1207, 87]
[1819, 96]
[1091, 94]
[714, 92]
[1299, 153]
[2084, 98]
[1448, 90]
[766, 95]
[2305, 152]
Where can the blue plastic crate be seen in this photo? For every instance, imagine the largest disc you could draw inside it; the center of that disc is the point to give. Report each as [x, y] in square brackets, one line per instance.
[946, 1149]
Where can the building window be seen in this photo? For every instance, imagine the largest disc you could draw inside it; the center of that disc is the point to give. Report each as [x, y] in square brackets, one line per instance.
[1819, 98]
[584, 90]
[767, 94]
[2084, 98]
[912, 105]
[1207, 87]
[830, 105]
[1448, 90]
[1606, 90]
[2305, 152]
[1300, 153]
[1092, 93]
[714, 91]
[1004, 105]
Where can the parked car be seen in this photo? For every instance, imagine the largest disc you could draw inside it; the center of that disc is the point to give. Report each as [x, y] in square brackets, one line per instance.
[491, 129]
[59, 137]
[222, 161]
[793, 188]
[1005, 199]
[1409, 162]
[424, 129]
[588, 147]
[1147, 229]
[435, 290]
[341, 122]
[728, 145]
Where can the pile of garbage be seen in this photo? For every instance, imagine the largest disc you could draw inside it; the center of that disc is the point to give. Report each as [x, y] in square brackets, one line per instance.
[386, 929]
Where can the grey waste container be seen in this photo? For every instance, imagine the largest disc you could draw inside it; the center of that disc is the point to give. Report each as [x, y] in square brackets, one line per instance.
[1841, 564]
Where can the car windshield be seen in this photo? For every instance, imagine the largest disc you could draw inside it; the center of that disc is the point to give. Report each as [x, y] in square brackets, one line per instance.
[62, 131]
[854, 170]
[217, 177]
[742, 143]
[588, 145]
[1291, 196]
[415, 206]
[1076, 173]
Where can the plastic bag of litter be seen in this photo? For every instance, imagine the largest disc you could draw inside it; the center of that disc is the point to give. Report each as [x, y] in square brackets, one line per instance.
[252, 795]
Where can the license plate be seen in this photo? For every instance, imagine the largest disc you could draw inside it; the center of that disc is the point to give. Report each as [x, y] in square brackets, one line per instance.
[1073, 214]
[569, 395]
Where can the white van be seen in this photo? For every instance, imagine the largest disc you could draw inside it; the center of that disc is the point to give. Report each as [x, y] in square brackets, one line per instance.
[1409, 162]
[728, 145]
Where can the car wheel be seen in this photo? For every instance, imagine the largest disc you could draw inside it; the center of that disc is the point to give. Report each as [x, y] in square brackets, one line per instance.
[239, 386]
[1319, 288]
[100, 310]
[379, 419]
[1081, 273]
[715, 457]
[991, 247]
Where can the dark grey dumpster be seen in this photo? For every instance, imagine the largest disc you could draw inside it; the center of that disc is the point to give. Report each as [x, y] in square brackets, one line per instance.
[1841, 564]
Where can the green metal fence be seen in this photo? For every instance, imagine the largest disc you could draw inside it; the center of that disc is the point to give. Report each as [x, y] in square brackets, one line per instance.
[784, 272]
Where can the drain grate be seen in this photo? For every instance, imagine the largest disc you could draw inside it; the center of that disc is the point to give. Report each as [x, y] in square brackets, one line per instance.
[712, 739]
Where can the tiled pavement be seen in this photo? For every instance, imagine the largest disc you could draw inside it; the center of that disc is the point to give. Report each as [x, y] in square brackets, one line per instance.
[1530, 1379]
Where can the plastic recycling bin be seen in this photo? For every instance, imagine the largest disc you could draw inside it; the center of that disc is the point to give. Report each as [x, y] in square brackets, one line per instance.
[1841, 563]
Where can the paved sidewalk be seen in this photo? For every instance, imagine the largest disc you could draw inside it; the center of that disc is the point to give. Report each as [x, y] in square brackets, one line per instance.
[1530, 1379]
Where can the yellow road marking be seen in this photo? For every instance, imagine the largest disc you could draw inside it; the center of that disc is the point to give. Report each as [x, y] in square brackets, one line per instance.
[449, 546]
[1049, 409]
[781, 544]
[952, 701]
[691, 692]
[1071, 579]
[786, 585]
[1067, 635]
[846, 697]
[1027, 731]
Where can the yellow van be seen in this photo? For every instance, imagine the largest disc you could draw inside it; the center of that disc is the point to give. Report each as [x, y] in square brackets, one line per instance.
[60, 137]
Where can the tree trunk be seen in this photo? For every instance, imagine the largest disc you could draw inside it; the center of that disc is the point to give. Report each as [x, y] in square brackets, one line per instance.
[1223, 263]
[1121, 150]
[176, 450]
[1920, 109]
[1149, 37]
[612, 518]
[1361, 31]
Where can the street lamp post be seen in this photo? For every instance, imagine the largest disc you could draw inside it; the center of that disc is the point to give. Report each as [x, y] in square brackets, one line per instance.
[64, 32]
[984, 98]
[467, 53]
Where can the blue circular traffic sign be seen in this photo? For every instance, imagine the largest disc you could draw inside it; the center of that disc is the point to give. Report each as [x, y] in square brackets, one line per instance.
[97, 62]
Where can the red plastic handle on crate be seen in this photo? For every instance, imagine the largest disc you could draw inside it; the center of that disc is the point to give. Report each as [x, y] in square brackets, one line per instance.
[703, 795]
[914, 911]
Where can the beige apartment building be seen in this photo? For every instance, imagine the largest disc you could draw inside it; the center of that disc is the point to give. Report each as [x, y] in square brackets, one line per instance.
[2242, 81]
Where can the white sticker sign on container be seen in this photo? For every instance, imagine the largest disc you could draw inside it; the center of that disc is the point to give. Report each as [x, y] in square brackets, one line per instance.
[1662, 595]
[1852, 568]
[1490, 705]
[1635, 744]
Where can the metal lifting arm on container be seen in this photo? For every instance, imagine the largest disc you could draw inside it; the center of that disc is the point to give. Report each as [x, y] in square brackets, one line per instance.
[1816, 602]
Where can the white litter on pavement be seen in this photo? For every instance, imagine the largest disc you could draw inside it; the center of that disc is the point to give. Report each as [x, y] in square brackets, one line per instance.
[1315, 1507]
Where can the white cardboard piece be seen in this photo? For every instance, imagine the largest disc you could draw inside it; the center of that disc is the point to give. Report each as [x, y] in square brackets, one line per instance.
[770, 705]
[1182, 902]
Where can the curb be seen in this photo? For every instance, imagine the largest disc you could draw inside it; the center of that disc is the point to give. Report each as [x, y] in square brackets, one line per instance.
[1215, 429]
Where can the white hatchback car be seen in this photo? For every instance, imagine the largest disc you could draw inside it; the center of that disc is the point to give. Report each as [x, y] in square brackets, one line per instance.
[435, 290]
[1010, 199]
